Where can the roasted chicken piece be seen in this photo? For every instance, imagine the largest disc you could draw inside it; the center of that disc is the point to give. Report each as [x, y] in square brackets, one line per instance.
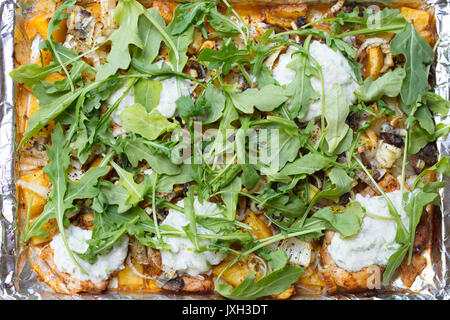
[64, 283]
[335, 276]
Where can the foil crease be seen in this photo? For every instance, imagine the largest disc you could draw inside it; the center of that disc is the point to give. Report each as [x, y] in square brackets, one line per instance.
[433, 283]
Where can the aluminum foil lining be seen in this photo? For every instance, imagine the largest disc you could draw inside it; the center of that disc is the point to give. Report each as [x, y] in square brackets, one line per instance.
[433, 283]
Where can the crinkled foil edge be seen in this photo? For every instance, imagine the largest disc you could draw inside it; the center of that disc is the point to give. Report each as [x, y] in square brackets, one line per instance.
[432, 284]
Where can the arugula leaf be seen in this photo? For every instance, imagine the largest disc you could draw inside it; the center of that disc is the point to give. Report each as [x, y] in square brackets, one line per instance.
[436, 103]
[187, 108]
[150, 36]
[273, 155]
[386, 20]
[387, 85]
[347, 223]
[177, 53]
[222, 24]
[166, 182]
[223, 177]
[230, 198]
[271, 284]
[249, 176]
[149, 125]
[218, 146]
[84, 188]
[217, 225]
[308, 164]
[339, 184]
[301, 90]
[224, 58]
[394, 262]
[136, 191]
[216, 99]
[126, 15]
[421, 137]
[189, 212]
[290, 206]
[191, 13]
[442, 167]
[111, 194]
[66, 56]
[58, 154]
[32, 74]
[136, 150]
[423, 115]
[109, 228]
[50, 111]
[419, 55]
[336, 111]
[277, 258]
[414, 206]
[268, 98]
[147, 93]
[53, 26]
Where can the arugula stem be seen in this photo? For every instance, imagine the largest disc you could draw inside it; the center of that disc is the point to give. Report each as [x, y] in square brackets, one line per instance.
[265, 242]
[58, 58]
[245, 74]
[369, 31]
[107, 114]
[245, 37]
[106, 159]
[27, 221]
[392, 210]
[155, 220]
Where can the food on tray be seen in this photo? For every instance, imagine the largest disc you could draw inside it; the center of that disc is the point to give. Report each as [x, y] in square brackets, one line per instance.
[246, 149]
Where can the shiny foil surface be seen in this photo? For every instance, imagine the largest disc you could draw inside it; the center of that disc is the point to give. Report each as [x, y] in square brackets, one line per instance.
[17, 281]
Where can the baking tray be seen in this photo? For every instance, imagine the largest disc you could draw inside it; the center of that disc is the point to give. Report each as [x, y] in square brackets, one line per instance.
[17, 281]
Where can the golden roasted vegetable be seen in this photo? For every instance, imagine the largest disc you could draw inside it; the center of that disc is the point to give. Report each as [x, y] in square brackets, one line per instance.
[235, 274]
[34, 184]
[51, 227]
[129, 280]
[39, 24]
[286, 294]
[374, 62]
[420, 19]
[259, 229]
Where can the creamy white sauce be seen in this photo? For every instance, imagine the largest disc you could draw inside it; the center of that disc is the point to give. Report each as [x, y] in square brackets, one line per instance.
[375, 242]
[169, 94]
[182, 256]
[335, 69]
[281, 72]
[77, 239]
[127, 101]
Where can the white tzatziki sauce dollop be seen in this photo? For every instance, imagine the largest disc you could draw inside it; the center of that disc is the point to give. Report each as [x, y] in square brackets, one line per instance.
[375, 242]
[98, 271]
[182, 256]
[335, 69]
